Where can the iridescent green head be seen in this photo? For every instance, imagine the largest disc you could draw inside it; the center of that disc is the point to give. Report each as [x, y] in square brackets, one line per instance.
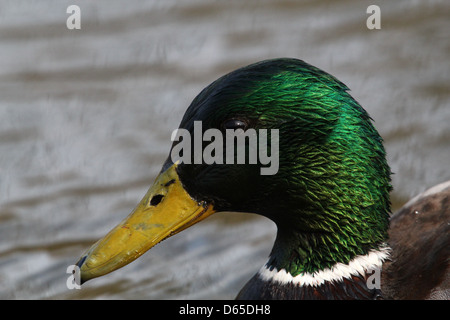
[330, 196]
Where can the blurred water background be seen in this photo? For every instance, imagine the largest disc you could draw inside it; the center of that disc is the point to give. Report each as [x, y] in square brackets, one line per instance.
[86, 117]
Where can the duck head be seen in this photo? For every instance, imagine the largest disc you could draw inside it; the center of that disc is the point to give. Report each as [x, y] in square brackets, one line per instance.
[326, 187]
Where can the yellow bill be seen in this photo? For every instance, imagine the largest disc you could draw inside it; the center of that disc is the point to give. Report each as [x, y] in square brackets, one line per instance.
[165, 210]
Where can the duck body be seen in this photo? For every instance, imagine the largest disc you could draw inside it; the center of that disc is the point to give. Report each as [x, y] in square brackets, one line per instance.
[329, 197]
[419, 235]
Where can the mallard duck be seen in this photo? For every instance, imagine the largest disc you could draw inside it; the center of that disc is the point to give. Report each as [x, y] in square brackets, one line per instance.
[329, 194]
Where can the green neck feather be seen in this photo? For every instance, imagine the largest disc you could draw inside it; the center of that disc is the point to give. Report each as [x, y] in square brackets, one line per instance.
[339, 182]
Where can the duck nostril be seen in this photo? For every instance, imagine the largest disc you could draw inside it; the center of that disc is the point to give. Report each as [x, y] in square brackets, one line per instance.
[156, 200]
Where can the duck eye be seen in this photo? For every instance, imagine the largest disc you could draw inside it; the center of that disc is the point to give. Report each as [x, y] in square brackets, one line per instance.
[235, 124]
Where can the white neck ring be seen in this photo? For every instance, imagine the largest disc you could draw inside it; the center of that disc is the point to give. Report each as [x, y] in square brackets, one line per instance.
[359, 265]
